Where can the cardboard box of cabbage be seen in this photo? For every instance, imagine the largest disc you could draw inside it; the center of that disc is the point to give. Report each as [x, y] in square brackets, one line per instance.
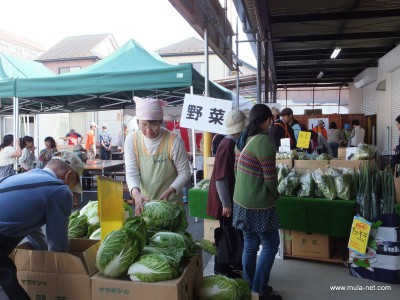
[167, 267]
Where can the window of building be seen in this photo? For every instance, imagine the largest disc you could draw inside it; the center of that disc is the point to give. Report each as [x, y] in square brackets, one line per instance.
[63, 70]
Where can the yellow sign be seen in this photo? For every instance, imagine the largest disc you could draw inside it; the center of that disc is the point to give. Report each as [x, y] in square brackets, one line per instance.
[303, 141]
[359, 235]
[111, 209]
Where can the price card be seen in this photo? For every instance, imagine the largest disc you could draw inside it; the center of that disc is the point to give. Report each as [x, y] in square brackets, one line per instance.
[303, 140]
[285, 145]
[359, 235]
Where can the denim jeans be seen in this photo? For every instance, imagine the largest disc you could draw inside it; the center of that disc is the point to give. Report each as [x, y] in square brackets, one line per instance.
[334, 148]
[256, 271]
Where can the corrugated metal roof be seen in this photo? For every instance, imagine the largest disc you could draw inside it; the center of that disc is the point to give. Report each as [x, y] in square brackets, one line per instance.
[74, 47]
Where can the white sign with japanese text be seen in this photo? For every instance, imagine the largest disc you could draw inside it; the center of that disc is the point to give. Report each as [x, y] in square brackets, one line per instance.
[205, 113]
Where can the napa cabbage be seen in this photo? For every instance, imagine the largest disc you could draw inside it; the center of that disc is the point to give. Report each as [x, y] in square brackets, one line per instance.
[153, 268]
[218, 287]
[164, 216]
[77, 226]
[175, 244]
[117, 252]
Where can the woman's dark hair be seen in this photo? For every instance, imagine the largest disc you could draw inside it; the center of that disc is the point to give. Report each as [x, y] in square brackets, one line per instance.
[398, 119]
[333, 125]
[24, 140]
[355, 122]
[7, 141]
[258, 115]
[52, 142]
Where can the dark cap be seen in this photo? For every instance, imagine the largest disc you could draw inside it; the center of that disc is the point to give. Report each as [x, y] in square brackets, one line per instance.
[286, 111]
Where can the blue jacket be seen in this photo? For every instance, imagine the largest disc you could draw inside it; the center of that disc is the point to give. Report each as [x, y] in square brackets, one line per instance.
[25, 211]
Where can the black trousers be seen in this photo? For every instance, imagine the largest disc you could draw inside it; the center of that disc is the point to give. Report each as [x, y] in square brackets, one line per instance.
[8, 271]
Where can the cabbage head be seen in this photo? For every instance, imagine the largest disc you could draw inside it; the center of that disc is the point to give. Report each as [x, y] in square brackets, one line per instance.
[161, 214]
[153, 268]
[77, 226]
[218, 287]
[244, 288]
[138, 225]
[117, 252]
[91, 211]
[96, 235]
[174, 244]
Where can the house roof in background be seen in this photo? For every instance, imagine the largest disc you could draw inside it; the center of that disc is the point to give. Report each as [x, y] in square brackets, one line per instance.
[188, 46]
[75, 47]
[19, 40]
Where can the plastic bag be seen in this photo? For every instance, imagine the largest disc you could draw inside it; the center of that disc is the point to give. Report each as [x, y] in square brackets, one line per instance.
[288, 186]
[307, 186]
[325, 183]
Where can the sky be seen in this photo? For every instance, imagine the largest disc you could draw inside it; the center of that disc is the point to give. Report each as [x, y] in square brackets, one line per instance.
[152, 23]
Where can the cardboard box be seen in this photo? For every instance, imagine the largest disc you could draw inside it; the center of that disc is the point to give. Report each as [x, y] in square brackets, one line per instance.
[209, 227]
[350, 164]
[209, 166]
[57, 275]
[286, 162]
[303, 166]
[287, 239]
[186, 287]
[342, 153]
[310, 245]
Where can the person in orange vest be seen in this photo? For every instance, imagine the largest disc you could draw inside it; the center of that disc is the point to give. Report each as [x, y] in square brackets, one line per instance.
[320, 128]
[280, 130]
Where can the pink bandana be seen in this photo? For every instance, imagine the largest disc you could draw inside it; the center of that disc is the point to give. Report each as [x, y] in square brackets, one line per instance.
[149, 109]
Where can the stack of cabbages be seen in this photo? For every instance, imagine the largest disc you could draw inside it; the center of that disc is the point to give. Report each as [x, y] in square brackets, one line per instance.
[149, 248]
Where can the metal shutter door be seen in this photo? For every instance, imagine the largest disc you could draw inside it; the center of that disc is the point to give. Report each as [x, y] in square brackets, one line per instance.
[370, 99]
[395, 106]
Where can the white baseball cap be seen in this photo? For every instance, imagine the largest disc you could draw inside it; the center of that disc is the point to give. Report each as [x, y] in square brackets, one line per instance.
[93, 124]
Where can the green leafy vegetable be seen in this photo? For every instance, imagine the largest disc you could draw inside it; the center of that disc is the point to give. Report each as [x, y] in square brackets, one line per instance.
[162, 215]
[219, 287]
[117, 252]
[153, 268]
[245, 289]
[78, 227]
[207, 246]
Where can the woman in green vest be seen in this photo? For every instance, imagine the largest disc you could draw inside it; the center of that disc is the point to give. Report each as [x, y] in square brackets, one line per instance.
[254, 200]
[156, 161]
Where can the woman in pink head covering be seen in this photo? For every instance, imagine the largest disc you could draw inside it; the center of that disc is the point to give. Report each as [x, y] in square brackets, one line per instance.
[156, 160]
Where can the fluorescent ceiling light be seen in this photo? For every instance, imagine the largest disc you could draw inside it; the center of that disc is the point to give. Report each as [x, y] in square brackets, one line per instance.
[335, 53]
[320, 74]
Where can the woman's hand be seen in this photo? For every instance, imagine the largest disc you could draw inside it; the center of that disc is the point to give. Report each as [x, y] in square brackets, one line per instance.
[139, 201]
[227, 211]
[165, 196]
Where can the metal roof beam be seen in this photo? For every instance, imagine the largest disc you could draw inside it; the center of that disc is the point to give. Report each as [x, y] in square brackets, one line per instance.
[344, 56]
[285, 68]
[312, 52]
[335, 16]
[341, 36]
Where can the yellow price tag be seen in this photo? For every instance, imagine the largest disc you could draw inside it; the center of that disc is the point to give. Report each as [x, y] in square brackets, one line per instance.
[303, 140]
[359, 235]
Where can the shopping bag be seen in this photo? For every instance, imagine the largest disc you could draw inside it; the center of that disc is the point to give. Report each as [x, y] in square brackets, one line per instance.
[229, 242]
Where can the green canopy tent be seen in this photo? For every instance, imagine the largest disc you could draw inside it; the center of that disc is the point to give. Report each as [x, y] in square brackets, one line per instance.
[11, 68]
[112, 82]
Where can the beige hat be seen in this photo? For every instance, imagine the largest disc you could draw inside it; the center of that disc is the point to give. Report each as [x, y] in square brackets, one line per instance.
[75, 163]
[93, 124]
[320, 122]
[104, 125]
[275, 111]
[235, 121]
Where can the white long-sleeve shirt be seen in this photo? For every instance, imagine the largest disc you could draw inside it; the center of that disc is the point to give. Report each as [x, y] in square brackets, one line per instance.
[179, 157]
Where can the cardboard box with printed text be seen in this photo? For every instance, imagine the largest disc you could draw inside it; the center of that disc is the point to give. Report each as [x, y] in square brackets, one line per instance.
[57, 275]
[185, 287]
[310, 245]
